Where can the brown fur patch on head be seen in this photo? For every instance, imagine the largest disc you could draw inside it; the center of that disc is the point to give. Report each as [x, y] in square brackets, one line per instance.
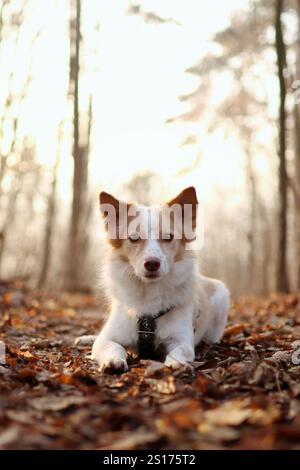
[187, 197]
[115, 213]
[106, 198]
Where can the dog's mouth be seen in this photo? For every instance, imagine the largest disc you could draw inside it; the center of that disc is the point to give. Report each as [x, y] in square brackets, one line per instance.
[151, 276]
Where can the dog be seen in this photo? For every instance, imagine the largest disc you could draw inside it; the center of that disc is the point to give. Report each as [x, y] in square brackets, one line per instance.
[159, 300]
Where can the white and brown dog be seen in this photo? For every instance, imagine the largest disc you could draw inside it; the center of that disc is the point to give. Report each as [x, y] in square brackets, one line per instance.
[159, 300]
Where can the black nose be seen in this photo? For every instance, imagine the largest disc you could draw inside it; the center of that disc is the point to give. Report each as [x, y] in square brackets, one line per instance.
[152, 265]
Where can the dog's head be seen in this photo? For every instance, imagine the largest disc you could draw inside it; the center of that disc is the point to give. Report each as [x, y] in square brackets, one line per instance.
[150, 239]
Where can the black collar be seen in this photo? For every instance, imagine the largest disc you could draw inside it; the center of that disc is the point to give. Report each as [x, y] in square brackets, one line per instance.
[146, 333]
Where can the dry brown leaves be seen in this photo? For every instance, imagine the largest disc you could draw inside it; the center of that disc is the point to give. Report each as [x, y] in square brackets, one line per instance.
[243, 394]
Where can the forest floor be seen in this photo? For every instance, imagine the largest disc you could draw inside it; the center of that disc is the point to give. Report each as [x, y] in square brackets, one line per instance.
[243, 394]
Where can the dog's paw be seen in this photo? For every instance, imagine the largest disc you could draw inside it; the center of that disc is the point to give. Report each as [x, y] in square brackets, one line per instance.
[111, 356]
[176, 365]
[86, 340]
[113, 366]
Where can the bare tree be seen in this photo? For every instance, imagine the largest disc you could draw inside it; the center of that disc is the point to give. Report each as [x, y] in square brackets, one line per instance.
[50, 218]
[282, 273]
[252, 230]
[80, 159]
[10, 119]
[297, 144]
[242, 112]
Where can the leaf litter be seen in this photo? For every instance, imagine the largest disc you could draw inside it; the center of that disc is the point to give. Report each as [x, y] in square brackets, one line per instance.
[243, 393]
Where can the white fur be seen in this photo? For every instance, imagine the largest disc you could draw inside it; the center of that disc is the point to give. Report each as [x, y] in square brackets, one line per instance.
[200, 304]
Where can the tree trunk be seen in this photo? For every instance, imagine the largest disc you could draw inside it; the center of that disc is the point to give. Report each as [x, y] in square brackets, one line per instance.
[252, 211]
[297, 147]
[10, 215]
[266, 245]
[80, 159]
[282, 273]
[50, 220]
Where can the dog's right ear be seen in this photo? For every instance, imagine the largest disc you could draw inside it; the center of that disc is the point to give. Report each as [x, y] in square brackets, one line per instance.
[115, 217]
[107, 200]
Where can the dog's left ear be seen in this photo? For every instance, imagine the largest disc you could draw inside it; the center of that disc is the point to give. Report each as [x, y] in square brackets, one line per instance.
[107, 199]
[115, 217]
[187, 197]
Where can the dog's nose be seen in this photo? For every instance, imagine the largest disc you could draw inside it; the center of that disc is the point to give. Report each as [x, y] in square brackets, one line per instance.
[152, 265]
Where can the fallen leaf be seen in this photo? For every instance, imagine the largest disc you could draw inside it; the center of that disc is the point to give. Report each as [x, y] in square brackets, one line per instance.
[56, 403]
[230, 413]
[9, 435]
[133, 441]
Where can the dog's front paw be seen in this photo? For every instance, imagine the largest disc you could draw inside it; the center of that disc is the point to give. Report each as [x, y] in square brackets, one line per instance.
[113, 365]
[110, 356]
[176, 365]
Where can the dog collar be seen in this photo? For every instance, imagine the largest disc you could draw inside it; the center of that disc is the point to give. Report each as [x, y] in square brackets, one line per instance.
[146, 333]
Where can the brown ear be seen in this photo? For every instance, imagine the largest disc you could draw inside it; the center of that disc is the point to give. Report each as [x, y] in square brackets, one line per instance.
[106, 198]
[187, 196]
[116, 217]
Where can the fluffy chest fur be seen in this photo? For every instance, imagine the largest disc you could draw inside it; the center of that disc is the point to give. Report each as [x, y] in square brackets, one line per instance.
[137, 297]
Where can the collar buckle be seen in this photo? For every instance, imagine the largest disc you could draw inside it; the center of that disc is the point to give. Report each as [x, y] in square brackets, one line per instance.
[146, 333]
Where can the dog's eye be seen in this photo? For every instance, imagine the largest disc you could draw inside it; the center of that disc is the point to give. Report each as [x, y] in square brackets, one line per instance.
[134, 238]
[168, 237]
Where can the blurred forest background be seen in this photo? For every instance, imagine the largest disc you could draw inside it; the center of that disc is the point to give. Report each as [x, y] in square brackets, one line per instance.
[142, 99]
